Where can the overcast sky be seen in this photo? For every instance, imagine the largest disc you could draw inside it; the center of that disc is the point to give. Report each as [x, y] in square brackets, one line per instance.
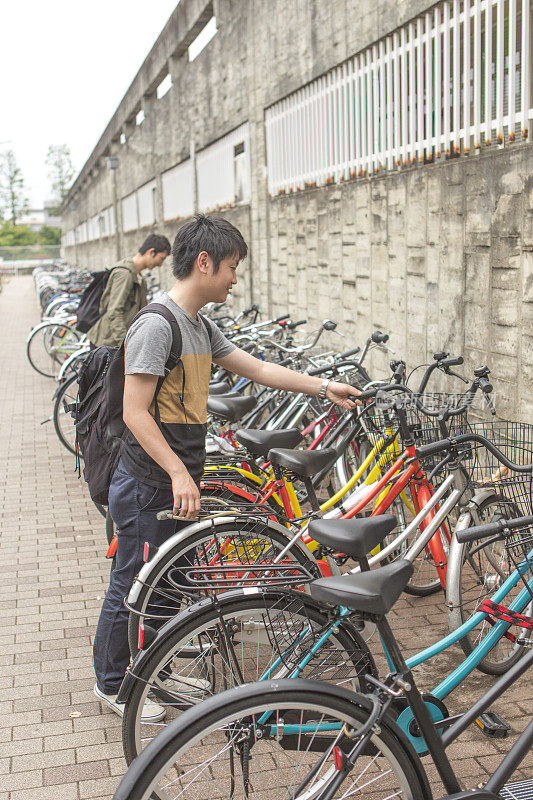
[64, 67]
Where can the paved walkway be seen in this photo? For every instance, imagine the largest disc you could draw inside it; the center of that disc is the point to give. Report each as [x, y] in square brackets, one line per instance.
[55, 743]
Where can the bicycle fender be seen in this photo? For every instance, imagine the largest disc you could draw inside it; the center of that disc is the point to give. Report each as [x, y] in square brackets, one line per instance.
[182, 535]
[454, 558]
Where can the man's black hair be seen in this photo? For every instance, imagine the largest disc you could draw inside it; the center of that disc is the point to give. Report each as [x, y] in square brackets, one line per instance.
[218, 237]
[155, 242]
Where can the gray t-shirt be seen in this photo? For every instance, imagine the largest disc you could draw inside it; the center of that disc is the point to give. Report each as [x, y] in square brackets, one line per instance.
[182, 398]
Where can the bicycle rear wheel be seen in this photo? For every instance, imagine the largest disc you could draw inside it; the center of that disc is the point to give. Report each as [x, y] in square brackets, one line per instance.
[49, 346]
[235, 640]
[244, 541]
[274, 741]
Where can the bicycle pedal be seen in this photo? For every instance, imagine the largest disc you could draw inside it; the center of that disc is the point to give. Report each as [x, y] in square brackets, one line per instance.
[492, 725]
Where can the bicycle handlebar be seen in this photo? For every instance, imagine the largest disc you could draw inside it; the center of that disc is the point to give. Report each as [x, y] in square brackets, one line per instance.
[351, 352]
[292, 325]
[493, 528]
[435, 448]
[480, 382]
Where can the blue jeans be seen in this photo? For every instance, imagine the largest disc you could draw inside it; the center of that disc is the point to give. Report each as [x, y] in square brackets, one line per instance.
[133, 506]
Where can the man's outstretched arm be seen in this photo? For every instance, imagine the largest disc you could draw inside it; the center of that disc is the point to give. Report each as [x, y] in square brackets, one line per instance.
[278, 377]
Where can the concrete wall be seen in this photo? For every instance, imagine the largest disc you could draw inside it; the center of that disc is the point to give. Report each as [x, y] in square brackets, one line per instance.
[438, 255]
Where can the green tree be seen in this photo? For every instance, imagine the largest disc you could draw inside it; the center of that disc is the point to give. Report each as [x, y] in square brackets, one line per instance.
[49, 235]
[16, 235]
[60, 171]
[13, 200]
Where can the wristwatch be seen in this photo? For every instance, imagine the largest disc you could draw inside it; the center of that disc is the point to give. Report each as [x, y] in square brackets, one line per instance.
[324, 388]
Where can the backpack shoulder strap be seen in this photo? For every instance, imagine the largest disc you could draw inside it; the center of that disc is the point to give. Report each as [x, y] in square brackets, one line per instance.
[177, 340]
[175, 349]
[208, 326]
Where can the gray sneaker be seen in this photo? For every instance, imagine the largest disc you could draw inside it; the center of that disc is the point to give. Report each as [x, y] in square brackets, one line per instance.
[152, 711]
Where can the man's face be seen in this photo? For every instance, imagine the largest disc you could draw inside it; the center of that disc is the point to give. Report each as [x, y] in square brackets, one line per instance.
[157, 258]
[224, 280]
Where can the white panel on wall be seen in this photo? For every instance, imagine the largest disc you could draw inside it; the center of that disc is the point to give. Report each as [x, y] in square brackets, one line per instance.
[93, 230]
[68, 239]
[147, 203]
[81, 233]
[177, 186]
[224, 171]
[129, 212]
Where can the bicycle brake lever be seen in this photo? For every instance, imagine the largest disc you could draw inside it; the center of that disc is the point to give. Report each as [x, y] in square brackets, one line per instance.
[449, 371]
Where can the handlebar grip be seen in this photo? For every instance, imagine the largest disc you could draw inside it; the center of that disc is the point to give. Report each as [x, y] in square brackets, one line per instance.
[398, 368]
[485, 385]
[329, 325]
[379, 338]
[369, 394]
[282, 318]
[452, 362]
[293, 325]
[349, 353]
[433, 449]
[479, 532]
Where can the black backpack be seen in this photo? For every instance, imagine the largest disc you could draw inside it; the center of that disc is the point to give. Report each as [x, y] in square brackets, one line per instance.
[98, 408]
[88, 311]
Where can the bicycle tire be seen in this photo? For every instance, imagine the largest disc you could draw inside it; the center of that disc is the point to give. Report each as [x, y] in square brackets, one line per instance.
[225, 643]
[201, 746]
[478, 581]
[40, 350]
[158, 582]
[63, 421]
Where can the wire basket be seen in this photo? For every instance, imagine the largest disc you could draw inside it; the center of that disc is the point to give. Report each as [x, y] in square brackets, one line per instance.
[292, 633]
[381, 426]
[515, 440]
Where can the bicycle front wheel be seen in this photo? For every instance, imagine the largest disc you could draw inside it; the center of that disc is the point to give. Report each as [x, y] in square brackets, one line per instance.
[63, 420]
[483, 568]
[275, 741]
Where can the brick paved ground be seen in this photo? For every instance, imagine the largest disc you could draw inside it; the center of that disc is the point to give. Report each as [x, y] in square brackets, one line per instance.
[55, 743]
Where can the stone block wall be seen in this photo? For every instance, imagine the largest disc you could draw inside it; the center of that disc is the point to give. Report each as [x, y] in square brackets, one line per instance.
[440, 257]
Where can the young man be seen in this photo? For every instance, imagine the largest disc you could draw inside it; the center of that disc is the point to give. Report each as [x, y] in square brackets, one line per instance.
[125, 293]
[164, 450]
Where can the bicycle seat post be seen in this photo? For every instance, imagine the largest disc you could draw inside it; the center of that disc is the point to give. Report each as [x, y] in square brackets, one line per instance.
[311, 494]
[428, 731]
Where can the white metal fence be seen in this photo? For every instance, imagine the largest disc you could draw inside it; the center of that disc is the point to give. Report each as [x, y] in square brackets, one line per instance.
[448, 81]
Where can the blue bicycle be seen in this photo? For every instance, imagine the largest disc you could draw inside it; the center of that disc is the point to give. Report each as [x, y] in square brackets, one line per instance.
[310, 740]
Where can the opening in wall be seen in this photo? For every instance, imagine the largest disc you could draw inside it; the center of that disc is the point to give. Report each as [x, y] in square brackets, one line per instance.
[203, 39]
[164, 86]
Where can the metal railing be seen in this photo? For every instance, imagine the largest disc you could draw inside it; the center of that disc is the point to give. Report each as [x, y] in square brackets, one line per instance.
[12, 259]
[450, 79]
